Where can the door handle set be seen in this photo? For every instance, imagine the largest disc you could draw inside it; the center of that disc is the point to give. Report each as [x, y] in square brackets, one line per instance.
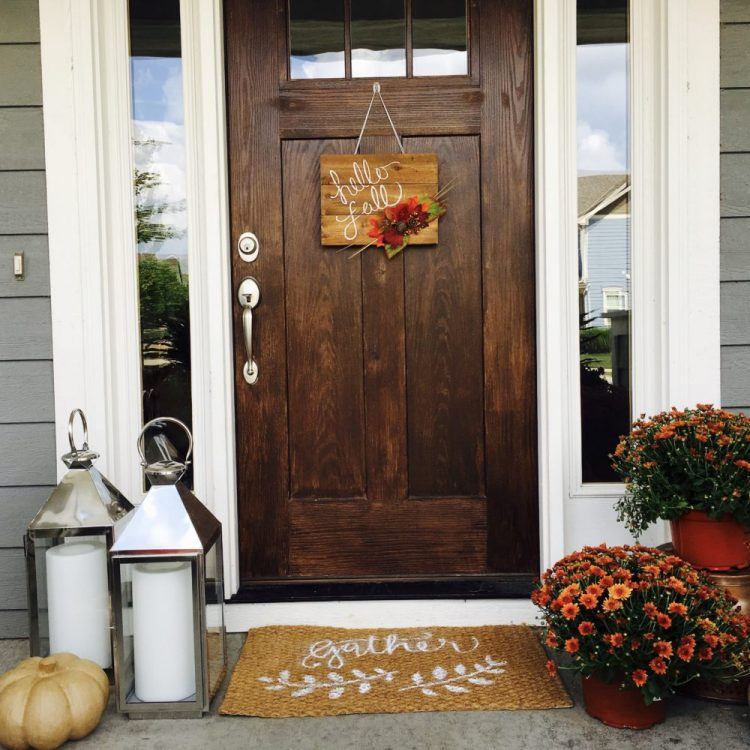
[248, 294]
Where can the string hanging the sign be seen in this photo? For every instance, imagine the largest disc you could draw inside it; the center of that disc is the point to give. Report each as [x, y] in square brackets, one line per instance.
[376, 92]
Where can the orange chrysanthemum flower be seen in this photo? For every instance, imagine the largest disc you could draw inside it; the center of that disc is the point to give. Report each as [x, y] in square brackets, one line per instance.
[589, 601]
[586, 628]
[676, 608]
[663, 648]
[572, 645]
[570, 611]
[664, 620]
[611, 605]
[619, 591]
[658, 665]
[650, 609]
[551, 668]
[685, 652]
[705, 653]
[551, 639]
[640, 677]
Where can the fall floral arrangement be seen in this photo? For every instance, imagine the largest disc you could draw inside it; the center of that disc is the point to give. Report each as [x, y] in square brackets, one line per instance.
[397, 224]
[682, 460]
[643, 618]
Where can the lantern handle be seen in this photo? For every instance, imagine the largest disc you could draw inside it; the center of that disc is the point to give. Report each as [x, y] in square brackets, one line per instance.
[84, 424]
[156, 423]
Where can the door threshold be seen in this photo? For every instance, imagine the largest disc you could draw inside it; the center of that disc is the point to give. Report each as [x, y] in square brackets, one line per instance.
[404, 613]
[503, 586]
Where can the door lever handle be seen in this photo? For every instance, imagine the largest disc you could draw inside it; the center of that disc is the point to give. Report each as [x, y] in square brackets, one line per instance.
[248, 295]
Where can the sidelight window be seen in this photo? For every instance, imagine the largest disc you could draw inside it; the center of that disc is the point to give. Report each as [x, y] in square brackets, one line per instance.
[159, 179]
[604, 247]
[390, 38]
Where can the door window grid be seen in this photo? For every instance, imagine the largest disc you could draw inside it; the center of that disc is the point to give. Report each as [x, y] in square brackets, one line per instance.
[394, 38]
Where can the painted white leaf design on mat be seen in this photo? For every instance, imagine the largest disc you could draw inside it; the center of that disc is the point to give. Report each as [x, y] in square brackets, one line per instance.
[336, 693]
[285, 675]
[439, 673]
[417, 678]
[480, 681]
[265, 679]
[427, 691]
[365, 687]
[460, 669]
[456, 688]
[308, 678]
[335, 677]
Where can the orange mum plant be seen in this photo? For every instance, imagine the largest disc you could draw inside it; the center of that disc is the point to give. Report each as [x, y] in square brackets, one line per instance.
[683, 460]
[643, 618]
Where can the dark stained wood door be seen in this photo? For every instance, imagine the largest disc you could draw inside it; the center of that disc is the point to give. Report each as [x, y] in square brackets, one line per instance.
[391, 435]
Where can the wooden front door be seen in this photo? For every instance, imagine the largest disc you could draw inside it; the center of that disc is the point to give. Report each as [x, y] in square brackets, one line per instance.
[391, 434]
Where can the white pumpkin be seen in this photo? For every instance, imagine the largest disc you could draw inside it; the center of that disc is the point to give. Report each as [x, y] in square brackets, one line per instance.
[45, 702]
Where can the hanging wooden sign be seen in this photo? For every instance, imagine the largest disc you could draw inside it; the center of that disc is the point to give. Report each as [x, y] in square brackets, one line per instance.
[386, 200]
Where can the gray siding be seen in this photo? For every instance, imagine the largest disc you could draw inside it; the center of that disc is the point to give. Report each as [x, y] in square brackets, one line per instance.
[735, 204]
[27, 451]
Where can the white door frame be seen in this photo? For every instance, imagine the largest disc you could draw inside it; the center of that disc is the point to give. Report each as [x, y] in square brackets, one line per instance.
[675, 237]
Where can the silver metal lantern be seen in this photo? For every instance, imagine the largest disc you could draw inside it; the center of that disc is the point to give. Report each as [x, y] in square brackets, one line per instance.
[66, 548]
[168, 597]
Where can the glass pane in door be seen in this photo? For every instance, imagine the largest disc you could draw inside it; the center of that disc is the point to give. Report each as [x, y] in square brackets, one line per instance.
[439, 38]
[378, 34]
[316, 39]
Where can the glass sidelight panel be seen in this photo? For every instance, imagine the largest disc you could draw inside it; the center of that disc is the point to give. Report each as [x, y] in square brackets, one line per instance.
[439, 38]
[316, 39]
[160, 210]
[604, 248]
[378, 38]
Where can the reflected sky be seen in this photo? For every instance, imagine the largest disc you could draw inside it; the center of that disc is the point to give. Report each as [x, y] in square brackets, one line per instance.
[602, 103]
[159, 146]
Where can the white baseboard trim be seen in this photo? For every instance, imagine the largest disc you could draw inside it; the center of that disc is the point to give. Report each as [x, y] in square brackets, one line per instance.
[383, 614]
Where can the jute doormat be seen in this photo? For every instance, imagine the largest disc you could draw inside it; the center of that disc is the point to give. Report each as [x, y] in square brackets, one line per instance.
[320, 671]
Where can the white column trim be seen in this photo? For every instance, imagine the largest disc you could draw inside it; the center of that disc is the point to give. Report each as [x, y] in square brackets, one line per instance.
[555, 180]
[93, 281]
[209, 248]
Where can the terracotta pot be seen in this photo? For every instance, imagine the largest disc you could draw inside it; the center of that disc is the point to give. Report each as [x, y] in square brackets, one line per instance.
[623, 709]
[711, 545]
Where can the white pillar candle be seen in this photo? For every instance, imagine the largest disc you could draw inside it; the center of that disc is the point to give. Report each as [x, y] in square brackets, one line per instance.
[163, 643]
[78, 601]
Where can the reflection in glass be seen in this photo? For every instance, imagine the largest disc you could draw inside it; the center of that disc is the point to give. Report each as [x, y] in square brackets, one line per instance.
[160, 209]
[604, 253]
[316, 35]
[378, 38]
[439, 37]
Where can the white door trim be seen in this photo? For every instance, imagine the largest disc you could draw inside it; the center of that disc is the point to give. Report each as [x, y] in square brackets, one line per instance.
[675, 90]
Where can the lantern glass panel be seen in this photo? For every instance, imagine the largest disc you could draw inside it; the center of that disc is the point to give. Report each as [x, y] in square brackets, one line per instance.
[216, 645]
[157, 627]
[69, 594]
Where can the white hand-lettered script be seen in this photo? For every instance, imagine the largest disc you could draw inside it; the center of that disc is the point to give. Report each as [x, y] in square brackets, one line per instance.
[364, 177]
[334, 653]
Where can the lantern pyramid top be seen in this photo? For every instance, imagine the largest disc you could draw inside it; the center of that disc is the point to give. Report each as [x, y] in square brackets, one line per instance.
[171, 519]
[84, 499]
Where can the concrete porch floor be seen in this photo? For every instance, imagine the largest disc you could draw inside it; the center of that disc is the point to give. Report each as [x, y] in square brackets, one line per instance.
[691, 725]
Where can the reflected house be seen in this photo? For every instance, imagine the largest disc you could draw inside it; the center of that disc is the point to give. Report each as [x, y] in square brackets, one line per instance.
[604, 264]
